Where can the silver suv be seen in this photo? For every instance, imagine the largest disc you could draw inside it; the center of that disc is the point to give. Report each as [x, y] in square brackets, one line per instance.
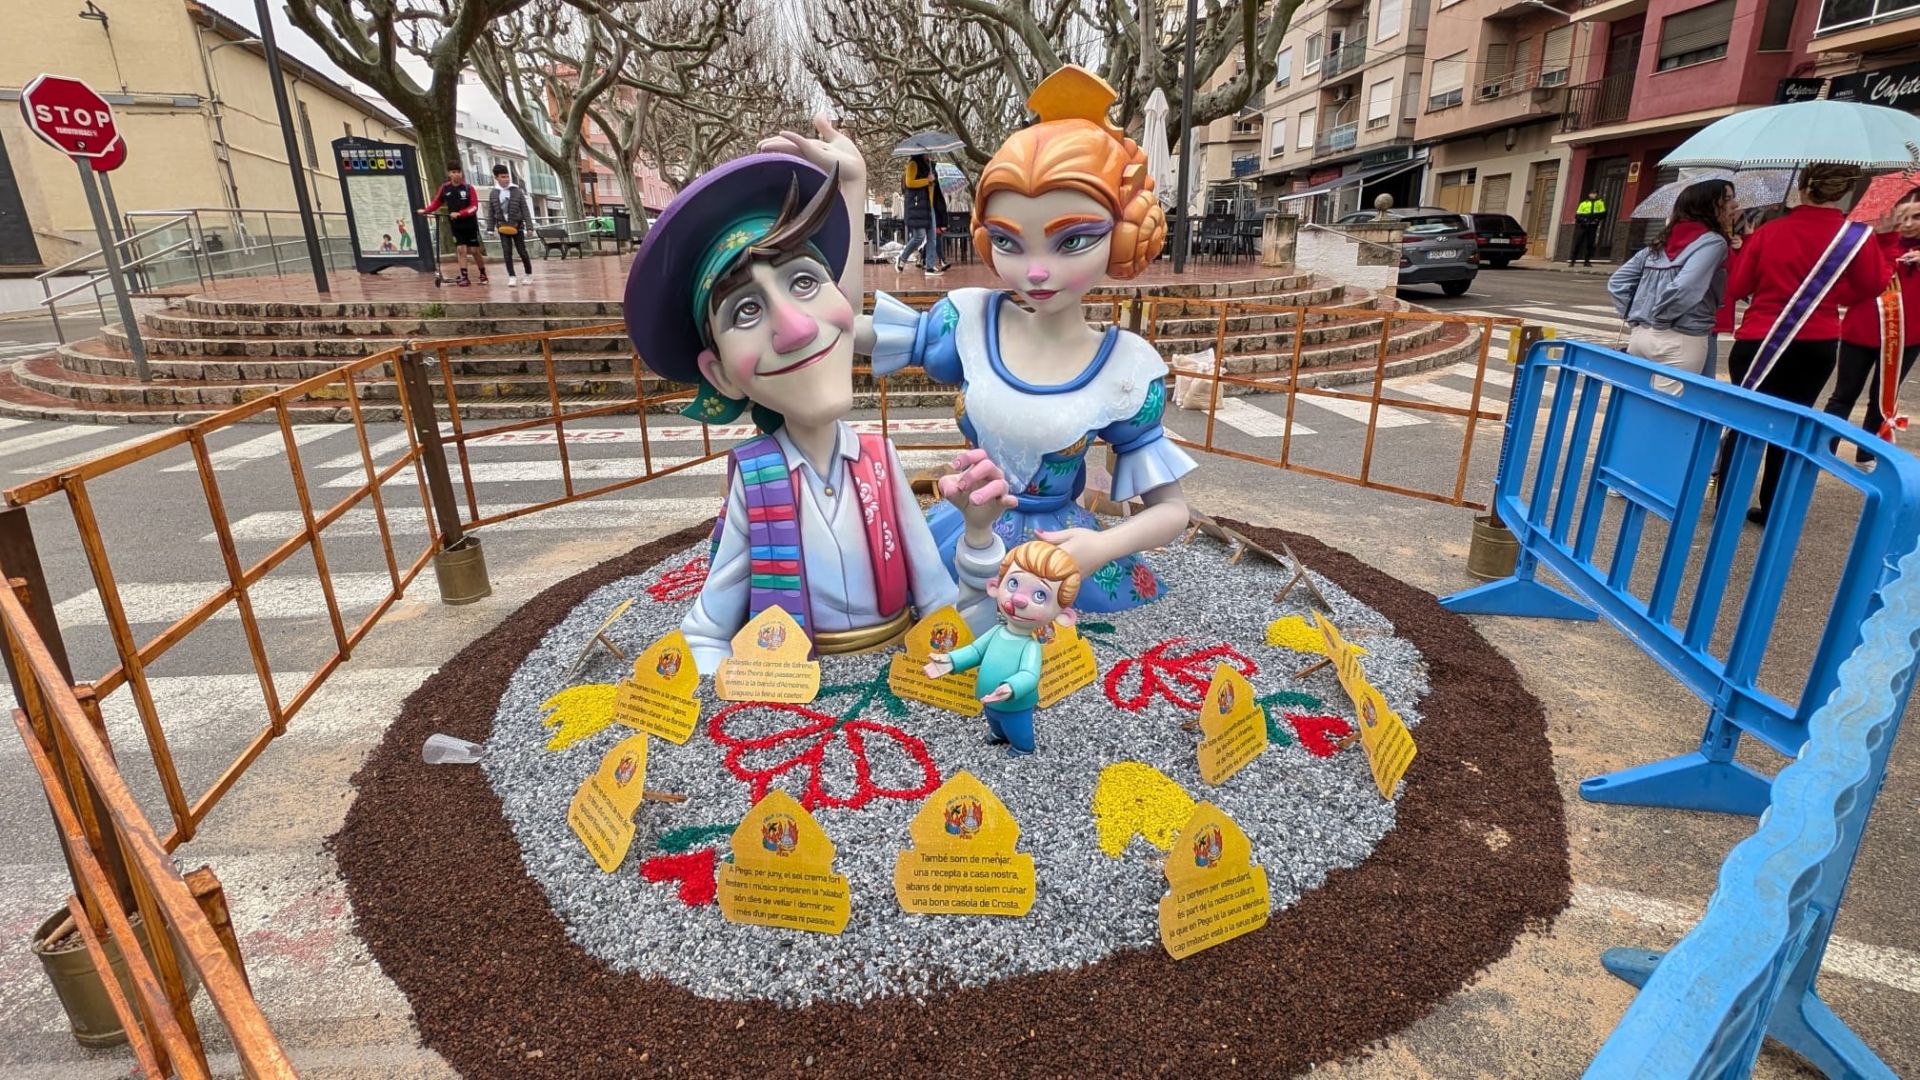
[1439, 247]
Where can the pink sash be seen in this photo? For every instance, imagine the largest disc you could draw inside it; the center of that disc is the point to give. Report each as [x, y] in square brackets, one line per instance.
[875, 484]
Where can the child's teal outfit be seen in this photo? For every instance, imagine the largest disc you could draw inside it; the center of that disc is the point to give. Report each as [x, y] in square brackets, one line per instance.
[1014, 659]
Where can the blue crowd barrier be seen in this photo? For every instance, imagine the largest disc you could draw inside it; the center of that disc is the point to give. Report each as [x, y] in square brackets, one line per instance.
[1651, 434]
[1747, 970]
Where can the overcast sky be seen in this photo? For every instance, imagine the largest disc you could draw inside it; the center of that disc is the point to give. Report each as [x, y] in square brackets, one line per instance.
[291, 41]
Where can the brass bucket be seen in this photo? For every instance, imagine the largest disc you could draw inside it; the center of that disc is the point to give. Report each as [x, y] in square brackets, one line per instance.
[77, 983]
[1494, 550]
[462, 571]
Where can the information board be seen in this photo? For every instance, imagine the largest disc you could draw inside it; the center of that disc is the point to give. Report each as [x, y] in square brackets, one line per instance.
[380, 187]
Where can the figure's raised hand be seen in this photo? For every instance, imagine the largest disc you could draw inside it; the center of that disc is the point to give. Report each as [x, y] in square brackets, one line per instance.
[938, 664]
[1000, 693]
[977, 488]
[832, 147]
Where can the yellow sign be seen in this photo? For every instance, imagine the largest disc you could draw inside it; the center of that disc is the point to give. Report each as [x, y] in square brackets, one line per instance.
[963, 862]
[782, 874]
[1234, 725]
[659, 698]
[602, 810]
[769, 662]
[943, 631]
[1215, 892]
[1066, 665]
[1384, 736]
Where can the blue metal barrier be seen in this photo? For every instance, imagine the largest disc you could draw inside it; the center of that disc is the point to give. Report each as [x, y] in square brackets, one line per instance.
[1659, 431]
[1747, 970]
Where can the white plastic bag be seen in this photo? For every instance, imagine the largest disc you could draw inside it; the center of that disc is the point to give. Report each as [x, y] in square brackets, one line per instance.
[1189, 392]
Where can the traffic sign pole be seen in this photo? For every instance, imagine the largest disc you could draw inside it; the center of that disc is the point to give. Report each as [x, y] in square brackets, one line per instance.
[108, 254]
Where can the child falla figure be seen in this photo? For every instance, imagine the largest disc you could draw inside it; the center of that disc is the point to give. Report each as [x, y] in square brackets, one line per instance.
[734, 290]
[1035, 590]
[1061, 204]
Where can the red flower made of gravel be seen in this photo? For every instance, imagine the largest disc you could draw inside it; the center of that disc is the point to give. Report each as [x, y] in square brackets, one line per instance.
[1162, 672]
[683, 582]
[1144, 583]
[800, 750]
[1319, 735]
[694, 870]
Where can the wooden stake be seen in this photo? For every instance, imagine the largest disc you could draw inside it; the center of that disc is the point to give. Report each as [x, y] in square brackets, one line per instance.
[1313, 667]
[600, 638]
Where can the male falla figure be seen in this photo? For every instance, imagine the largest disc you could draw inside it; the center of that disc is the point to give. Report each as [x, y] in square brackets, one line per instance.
[734, 289]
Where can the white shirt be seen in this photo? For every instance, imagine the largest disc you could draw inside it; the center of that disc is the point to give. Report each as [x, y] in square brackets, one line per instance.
[833, 541]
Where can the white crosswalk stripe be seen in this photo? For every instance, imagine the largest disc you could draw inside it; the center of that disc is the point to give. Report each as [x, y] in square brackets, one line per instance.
[1439, 394]
[33, 348]
[270, 445]
[273, 526]
[36, 439]
[294, 596]
[1251, 419]
[657, 432]
[8, 421]
[1359, 411]
[91, 453]
[593, 471]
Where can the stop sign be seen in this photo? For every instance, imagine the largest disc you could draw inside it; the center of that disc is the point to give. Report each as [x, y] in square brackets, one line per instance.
[68, 114]
[115, 156]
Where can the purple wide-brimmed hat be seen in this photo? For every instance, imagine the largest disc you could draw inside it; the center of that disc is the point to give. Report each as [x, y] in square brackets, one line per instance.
[661, 285]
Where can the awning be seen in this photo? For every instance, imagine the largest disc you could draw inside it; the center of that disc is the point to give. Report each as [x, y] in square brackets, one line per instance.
[1378, 172]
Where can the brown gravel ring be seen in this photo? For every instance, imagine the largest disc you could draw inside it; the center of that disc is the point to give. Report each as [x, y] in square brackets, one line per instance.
[442, 899]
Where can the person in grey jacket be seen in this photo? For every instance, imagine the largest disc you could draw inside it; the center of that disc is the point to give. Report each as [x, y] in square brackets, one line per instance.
[507, 203]
[1670, 291]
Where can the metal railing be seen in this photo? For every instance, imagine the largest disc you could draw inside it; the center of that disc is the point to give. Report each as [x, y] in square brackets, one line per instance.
[1335, 139]
[132, 263]
[1345, 59]
[1605, 101]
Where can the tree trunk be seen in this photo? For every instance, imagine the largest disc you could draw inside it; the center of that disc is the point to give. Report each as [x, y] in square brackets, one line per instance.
[630, 191]
[437, 147]
[573, 201]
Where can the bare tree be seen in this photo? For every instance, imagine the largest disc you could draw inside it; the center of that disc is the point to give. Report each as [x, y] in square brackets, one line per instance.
[967, 66]
[366, 38]
[548, 65]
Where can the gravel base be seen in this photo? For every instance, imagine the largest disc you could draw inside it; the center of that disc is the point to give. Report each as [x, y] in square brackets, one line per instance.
[1305, 815]
[1477, 854]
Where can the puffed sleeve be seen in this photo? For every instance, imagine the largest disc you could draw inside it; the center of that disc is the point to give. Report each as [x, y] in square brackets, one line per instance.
[903, 337]
[1144, 457]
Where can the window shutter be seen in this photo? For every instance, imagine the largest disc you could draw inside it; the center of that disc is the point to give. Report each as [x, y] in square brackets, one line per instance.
[1387, 23]
[1522, 52]
[1493, 193]
[1499, 61]
[1696, 29]
[1449, 74]
[1277, 137]
[1380, 102]
[1304, 140]
[1283, 67]
[1557, 54]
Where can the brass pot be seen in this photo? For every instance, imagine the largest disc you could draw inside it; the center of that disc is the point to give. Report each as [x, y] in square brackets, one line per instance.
[1494, 551]
[462, 571]
[77, 983]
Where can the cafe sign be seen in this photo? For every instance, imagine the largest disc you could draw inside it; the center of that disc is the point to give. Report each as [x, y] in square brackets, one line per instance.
[1894, 87]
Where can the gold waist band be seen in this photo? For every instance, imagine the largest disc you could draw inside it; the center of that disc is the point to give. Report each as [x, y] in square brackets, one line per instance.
[866, 638]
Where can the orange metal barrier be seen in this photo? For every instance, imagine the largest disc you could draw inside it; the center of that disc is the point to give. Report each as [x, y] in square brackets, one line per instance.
[121, 866]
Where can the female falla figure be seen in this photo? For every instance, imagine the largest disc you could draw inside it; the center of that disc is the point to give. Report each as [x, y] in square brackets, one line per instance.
[1063, 203]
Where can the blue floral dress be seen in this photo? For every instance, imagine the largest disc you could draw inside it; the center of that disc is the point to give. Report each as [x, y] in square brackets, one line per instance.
[1040, 435]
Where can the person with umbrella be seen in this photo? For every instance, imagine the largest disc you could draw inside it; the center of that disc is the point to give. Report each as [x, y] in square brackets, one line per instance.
[1796, 273]
[1669, 292]
[917, 185]
[1869, 328]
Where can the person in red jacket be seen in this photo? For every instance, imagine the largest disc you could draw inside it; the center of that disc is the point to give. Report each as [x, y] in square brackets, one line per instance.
[1774, 263]
[463, 215]
[1860, 331]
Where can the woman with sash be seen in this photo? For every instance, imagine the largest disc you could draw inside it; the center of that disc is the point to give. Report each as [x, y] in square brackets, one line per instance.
[1870, 328]
[1796, 273]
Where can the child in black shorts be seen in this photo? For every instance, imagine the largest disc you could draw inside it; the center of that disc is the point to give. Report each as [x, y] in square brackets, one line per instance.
[463, 210]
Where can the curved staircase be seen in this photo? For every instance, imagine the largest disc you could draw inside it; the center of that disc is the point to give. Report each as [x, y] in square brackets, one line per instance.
[208, 354]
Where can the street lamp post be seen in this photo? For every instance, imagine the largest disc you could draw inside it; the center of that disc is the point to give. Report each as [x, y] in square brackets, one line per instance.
[300, 198]
[1185, 232]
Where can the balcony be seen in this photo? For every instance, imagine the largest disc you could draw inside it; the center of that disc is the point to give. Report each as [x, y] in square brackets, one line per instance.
[1346, 59]
[1504, 100]
[1336, 139]
[1866, 25]
[1606, 11]
[1591, 105]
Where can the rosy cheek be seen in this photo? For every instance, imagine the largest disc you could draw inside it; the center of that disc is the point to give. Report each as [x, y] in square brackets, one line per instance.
[836, 311]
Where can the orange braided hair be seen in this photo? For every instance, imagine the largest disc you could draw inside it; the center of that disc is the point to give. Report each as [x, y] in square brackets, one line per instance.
[1075, 148]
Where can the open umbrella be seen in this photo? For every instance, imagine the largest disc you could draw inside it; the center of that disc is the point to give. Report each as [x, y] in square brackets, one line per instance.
[1785, 136]
[928, 142]
[1154, 138]
[1882, 194]
[952, 180]
[1751, 188]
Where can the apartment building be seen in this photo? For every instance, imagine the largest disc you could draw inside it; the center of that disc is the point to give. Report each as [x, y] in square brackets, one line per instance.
[1656, 71]
[1337, 125]
[194, 102]
[1496, 85]
[1864, 50]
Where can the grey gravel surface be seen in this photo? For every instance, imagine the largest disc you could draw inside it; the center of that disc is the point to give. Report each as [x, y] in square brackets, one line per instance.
[1305, 816]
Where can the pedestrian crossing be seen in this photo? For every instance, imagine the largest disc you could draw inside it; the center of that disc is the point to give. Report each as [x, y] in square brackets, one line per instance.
[22, 350]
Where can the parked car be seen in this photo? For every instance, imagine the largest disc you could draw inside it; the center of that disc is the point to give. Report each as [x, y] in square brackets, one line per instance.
[1438, 248]
[1502, 240]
